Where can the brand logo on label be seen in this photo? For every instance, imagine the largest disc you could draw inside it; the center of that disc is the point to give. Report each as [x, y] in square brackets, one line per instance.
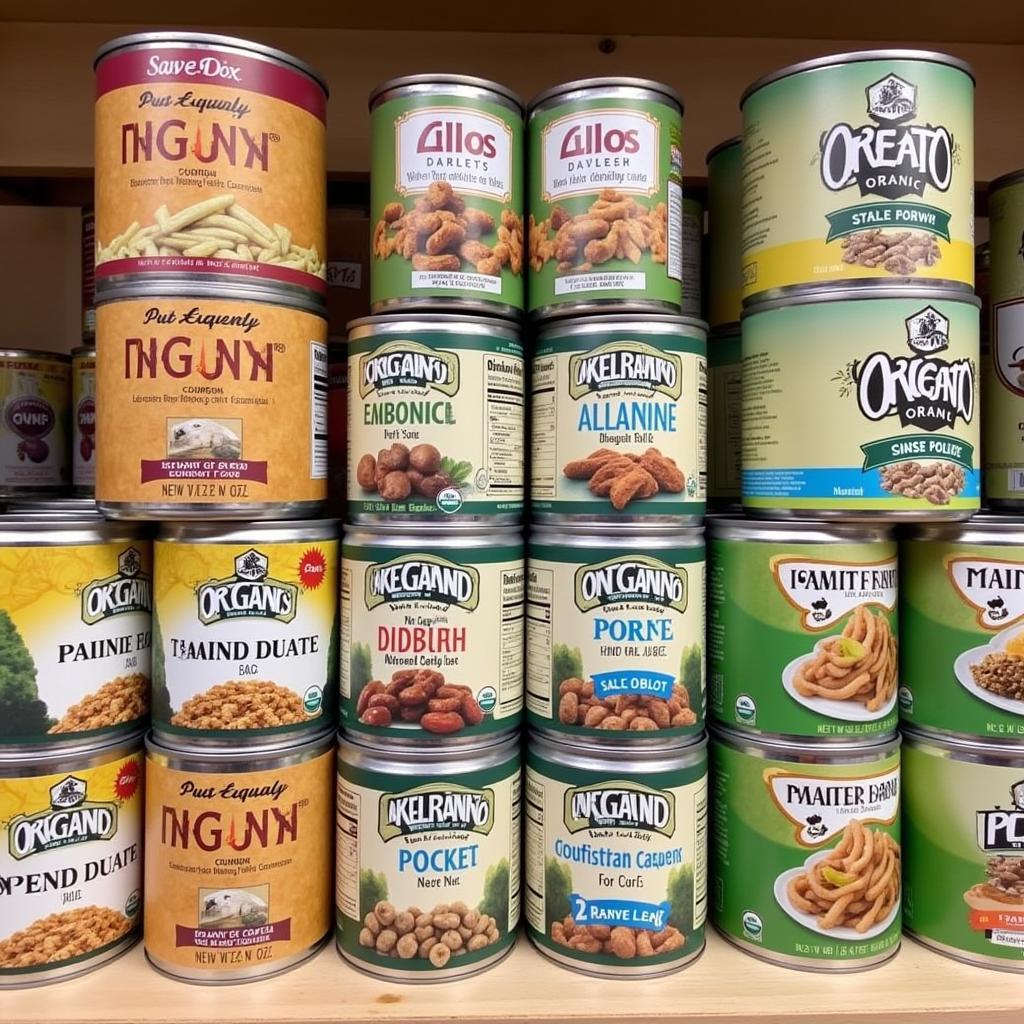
[209, 829]
[823, 592]
[201, 67]
[625, 805]
[631, 365]
[228, 145]
[30, 416]
[249, 594]
[631, 579]
[1003, 828]
[924, 392]
[422, 578]
[69, 820]
[820, 807]
[128, 590]
[1007, 351]
[430, 808]
[993, 587]
[86, 413]
[891, 158]
[408, 364]
[181, 356]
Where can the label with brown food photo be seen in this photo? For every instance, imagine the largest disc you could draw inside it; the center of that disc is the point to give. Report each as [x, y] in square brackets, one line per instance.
[615, 634]
[432, 627]
[435, 419]
[619, 407]
[75, 619]
[246, 632]
[446, 196]
[70, 860]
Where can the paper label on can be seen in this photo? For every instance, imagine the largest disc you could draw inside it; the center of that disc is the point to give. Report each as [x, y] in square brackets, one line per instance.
[83, 423]
[725, 236]
[725, 412]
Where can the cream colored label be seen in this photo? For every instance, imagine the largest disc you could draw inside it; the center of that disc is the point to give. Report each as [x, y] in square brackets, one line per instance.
[247, 636]
[225, 401]
[70, 863]
[83, 423]
[75, 621]
[34, 396]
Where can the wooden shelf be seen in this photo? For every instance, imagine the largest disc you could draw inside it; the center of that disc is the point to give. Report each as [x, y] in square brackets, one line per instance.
[724, 986]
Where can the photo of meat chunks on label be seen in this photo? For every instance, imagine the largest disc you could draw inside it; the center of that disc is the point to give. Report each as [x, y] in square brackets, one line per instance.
[624, 477]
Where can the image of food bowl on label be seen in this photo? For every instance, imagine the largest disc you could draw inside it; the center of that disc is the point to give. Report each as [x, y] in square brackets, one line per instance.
[850, 892]
[994, 672]
[852, 675]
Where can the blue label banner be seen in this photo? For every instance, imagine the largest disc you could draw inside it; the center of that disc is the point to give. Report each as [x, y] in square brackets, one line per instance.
[635, 682]
[652, 917]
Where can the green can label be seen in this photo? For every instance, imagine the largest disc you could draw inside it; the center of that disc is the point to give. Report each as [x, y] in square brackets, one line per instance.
[725, 235]
[806, 856]
[619, 423]
[606, 202]
[1004, 361]
[882, 417]
[616, 863]
[615, 641]
[693, 245]
[962, 615]
[802, 637]
[972, 840]
[428, 871]
[447, 201]
[725, 416]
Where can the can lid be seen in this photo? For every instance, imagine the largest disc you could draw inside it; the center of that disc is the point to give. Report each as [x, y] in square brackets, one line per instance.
[803, 295]
[184, 286]
[735, 526]
[736, 140]
[616, 82]
[32, 353]
[1005, 180]
[168, 39]
[440, 79]
[404, 322]
[809, 749]
[444, 758]
[614, 534]
[82, 350]
[434, 532]
[247, 756]
[565, 748]
[966, 748]
[17, 760]
[857, 57]
[643, 315]
[263, 531]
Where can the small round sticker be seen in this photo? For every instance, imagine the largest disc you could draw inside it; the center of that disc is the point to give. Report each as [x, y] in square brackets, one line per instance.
[487, 698]
[312, 569]
[449, 500]
[312, 700]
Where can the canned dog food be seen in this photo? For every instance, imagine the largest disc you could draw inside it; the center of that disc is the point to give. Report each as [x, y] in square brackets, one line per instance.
[238, 859]
[615, 634]
[246, 625]
[725, 415]
[35, 392]
[337, 424]
[620, 419]
[693, 245]
[436, 419]
[859, 167]
[210, 160]
[802, 628]
[616, 855]
[432, 633]
[880, 419]
[1003, 379]
[88, 273]
[76, 597]
[971, 840]
[446, 195]
[70, 859]
[428, 857]
[725, 232]
[83, 420]
[224, 400]
[805, 850]
[962, 622]
[605, 186]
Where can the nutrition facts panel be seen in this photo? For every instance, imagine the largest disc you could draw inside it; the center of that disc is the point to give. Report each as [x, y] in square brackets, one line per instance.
[513, 597]
[544, 413]
[503, 426]
[347, 885]
[318, 410]
[534, 853]
[538, 641]
[345, 638]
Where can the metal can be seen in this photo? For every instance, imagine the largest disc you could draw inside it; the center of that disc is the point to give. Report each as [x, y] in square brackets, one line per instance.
[805, 850]
[619, 409]
[210, 161]
[88, 273]
[1003, 355]
[616, 855]
[802, 628]
[432, 633]
[224, 398]
[725, 415]
[693, 255]
[35, 395]
[337, 425]
[238, 859]
[605, 187]
[888, 193]
[882, 421]
[246, 633]
[969, 840]
[725, 232]
[446, 195]
[75, 622]
[615, 634]
[70, 859]
[435, 419]
[53, 506]
[83, 420]
[412, 820]
[962, 626]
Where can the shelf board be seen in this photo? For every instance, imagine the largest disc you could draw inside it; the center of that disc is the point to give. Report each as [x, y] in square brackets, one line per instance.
[724, 986]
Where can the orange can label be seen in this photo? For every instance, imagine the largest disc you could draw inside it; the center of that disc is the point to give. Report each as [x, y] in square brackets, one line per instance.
[209, 160]
[210, 402]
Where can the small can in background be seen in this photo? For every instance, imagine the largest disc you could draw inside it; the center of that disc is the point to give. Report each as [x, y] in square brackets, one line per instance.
[83, 421]
[605, 197]
[693, 256]
[88, 273]
[446, 196]
[725, 233]
[725, 415]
